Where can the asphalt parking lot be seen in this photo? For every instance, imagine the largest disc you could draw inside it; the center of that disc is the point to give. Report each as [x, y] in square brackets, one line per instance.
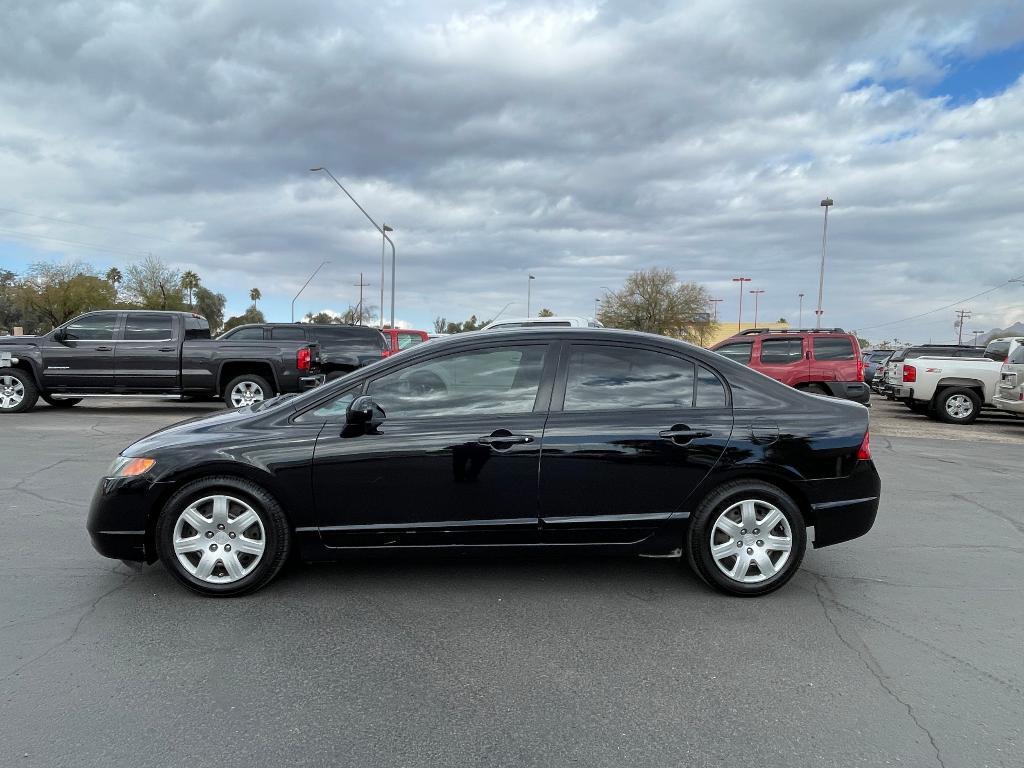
[900, 648]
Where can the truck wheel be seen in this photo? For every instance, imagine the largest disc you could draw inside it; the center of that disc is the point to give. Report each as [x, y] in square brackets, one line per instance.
[18, 392]
[63, 402]
[247, 389]
[958, 405]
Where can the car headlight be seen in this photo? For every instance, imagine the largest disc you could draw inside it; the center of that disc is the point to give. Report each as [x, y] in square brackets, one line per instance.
[130, 466]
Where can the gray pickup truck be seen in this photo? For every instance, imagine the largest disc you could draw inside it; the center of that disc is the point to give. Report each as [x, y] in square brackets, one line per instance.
[146, 352]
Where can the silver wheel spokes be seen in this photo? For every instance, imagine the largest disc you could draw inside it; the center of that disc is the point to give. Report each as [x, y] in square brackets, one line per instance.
[751, 541]
[959, 406]
[12, 392]
[219, 539]
[246, 393]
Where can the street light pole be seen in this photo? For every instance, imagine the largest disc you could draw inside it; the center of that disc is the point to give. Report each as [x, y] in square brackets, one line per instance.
[596, 302]
[304, 286]
[714, 305]
[529, 284]
[384, 233]
[826, 204]
[757, 294]
[801, 325]
[741, 281]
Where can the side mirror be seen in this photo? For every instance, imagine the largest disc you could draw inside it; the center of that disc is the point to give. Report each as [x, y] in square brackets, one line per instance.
[364, 412]
[60, 335]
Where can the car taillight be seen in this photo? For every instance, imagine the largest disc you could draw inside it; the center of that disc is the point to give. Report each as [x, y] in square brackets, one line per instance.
[385, 353]
[864, 452]
[302, 359]
[860, 369]
[909, 374]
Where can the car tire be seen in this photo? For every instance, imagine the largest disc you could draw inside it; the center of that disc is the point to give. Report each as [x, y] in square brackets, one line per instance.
[198, 552]
[18, 391]
[919, 408]
[247, 389]
[60, 402]
[716, 526]
[958, 405]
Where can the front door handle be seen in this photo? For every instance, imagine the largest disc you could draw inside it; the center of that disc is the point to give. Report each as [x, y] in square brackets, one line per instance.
[680, 435]
[167, 349]
[104, 349]
[502, 439]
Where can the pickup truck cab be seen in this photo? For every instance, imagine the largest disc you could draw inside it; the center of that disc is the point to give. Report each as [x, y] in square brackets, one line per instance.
[951, 389]
[146, 352]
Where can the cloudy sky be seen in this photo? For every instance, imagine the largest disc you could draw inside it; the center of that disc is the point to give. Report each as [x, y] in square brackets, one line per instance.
[572, 141]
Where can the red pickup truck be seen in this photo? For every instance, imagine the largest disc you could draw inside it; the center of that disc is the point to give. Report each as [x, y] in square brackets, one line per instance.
[826, 361]
[403, 338]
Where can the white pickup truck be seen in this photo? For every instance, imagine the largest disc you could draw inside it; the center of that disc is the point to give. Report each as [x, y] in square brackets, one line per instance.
[952, 389]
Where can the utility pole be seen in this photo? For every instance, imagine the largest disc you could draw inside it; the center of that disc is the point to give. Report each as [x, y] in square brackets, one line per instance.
[361, 285]
[529, 285]
[976, 334]
[961, 315]
[757, 294]
[714, 304]
[826, 204]
[801, 324]
[741, 281]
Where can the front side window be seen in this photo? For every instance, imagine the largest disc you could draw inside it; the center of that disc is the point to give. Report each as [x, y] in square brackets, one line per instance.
[148, 328]
[740, 351]
[486, 381]
[607, 378]
[833, 348]
[406, 340]
[97, 327]
[333, 410]
[781, 351]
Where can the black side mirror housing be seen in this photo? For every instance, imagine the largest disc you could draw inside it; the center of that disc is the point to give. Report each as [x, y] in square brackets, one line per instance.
[60, 336]
[364, 412]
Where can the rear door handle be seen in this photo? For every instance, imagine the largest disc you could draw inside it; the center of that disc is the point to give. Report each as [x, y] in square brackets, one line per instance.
[167, 349]
[680, 435]
[502, 439]
[104, 349]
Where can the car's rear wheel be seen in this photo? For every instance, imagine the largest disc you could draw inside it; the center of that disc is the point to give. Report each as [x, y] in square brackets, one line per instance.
[223, 536]
[18, 392]
[746, 538]
[958, 405]
[247, 389]
[61, 402]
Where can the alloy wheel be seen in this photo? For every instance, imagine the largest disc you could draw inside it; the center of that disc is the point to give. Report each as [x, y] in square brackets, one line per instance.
[751, 541]
[12, 392]
[219, 539]
[246, 393]
[959, 406]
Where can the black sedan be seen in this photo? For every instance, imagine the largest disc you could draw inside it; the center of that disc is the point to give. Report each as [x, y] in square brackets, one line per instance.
[510, 439]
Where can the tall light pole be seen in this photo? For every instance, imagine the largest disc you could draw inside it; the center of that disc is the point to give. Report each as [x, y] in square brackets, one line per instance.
[714, 304]
[529, 284]
[304, 286]
[596, 303]
[384, 233]
[757, 294]
[801, 325]
[976, 335]
[826, 204]
[741, 281]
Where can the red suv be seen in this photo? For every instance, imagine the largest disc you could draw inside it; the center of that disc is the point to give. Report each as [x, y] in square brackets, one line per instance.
[826, 361]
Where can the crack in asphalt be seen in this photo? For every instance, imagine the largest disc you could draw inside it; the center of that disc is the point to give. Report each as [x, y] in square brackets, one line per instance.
[1001, 515]
[871, 664]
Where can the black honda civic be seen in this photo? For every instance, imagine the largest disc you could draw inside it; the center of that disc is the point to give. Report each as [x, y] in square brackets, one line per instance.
[532, 438]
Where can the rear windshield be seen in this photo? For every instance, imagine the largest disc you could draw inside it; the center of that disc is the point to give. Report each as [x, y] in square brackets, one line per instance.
[997, 350]
[196, 328]
[833, 348]
[349, 334]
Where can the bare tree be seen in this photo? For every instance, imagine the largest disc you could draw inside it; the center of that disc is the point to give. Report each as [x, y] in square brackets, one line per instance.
[654, 301]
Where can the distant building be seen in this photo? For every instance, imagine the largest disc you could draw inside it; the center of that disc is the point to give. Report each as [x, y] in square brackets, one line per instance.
[725, 330]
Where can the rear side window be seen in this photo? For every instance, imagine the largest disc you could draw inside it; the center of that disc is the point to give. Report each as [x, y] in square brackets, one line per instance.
[604, 378]
[196, 328]
[288, 334]
[710, 391]
[148, 328]
[781, 351]
[406, 340]
[740, 351]
[833, 348]
[247, 334]
[1017, 358]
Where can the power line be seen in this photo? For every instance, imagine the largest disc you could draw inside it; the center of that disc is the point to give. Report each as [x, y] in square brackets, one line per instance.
[94, 246]
[89, 226]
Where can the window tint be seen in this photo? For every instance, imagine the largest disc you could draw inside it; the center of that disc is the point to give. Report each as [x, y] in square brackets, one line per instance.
[247, 334]
[781, 350]
[603, 378]
[334, 409]
[406, 340]
[1017, 358]
[997, 350]
[710, 391]
[196, 328]
[148, 328]
[503, 380]
[288, 334]
[833, 348]
[351, 335]
[740, 351]
[97, 327]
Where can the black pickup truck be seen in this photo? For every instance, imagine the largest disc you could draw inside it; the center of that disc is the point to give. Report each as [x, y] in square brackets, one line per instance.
[145, 352]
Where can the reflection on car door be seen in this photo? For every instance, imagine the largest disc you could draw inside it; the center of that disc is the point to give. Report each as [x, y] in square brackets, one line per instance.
[631, 434]
[146, 356]
[84, 361]
[455, 460]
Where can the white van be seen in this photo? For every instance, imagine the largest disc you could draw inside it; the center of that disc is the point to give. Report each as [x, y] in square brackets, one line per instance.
[543, 322]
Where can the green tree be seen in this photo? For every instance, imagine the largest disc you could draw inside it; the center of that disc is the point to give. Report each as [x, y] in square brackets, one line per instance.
[864, 343]
[654, 301]
[211, 306]
[440, 324]
[59, 292]
[545, 313]
[190, 284]
[255, 295]
[151, 284]
[472, 324]
[251, 315]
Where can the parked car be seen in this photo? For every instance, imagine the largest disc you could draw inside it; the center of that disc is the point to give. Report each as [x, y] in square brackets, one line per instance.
[893, 371]
[1001, 349]
[133, 352]
[952, 389]
[343, 348]
[874, 361]
[403, 338]
[611, 440]
[543, 322]
[825, 362]
[1009, 395]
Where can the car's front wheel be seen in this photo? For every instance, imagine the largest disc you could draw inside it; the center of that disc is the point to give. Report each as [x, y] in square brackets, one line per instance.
[223, 536]
[18, 392]
[746, 538]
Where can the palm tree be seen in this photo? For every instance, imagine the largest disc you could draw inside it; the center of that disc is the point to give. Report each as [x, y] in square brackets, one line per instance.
[114, 276]
[255, 295]
[190, 283]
